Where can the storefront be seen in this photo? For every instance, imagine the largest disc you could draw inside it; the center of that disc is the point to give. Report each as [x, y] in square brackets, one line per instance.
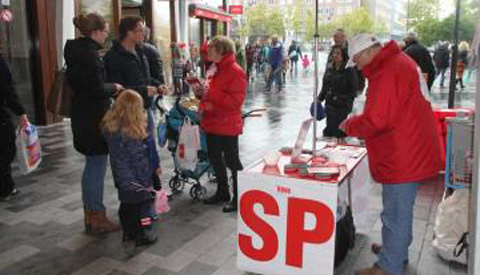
[27, 42]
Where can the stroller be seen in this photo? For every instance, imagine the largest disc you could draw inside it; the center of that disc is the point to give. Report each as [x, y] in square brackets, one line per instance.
[174, 121]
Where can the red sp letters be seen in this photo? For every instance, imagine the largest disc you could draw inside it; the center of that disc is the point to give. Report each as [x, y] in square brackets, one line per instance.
[296, 233]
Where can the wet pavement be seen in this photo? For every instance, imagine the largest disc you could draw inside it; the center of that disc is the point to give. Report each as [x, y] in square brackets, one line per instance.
[42, 228]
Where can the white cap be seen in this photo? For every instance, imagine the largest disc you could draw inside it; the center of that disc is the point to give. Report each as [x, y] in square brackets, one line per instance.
[359, 43]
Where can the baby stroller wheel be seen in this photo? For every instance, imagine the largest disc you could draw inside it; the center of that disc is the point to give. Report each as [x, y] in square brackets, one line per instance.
[198, 191]
[176, 184]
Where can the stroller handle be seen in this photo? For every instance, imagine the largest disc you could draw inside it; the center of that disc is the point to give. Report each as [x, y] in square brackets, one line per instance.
[255, 112]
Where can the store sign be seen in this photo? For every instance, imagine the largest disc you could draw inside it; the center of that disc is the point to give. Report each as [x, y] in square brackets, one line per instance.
[236, 9]
[198, 12]
[286, 226]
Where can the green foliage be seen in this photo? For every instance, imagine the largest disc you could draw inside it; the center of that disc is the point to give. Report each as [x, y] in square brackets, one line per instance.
[431, 30]
[263, 21]
[422, 10]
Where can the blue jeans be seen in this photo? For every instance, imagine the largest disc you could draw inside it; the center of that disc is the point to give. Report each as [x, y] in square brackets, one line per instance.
[275, 75]
[397, 219]
[93, 182]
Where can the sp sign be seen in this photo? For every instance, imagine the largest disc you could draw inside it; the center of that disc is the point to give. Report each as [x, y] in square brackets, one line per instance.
[285, 225]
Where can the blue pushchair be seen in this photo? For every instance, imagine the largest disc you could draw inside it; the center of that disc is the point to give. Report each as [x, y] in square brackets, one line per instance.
[174, 122]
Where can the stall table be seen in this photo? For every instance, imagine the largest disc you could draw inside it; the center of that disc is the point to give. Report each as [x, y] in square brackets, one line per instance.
[286, 221]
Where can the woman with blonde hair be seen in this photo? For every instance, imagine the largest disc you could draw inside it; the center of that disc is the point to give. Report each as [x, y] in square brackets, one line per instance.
[91, 99]
[125, 126]
[462, 62]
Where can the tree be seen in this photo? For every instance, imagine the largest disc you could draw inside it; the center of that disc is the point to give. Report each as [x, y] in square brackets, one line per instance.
[421, 10]
[263, 21]
[359, 21]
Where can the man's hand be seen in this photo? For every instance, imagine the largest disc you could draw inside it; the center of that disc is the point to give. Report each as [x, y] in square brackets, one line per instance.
[163, 90]
[151, 91]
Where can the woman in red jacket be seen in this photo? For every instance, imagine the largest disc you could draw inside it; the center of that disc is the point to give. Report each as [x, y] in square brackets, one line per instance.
[221, 112]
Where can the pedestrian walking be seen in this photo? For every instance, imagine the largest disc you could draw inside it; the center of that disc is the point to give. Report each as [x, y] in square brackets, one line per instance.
[338, 91]
[305, 64]
[275, 59]
[125, 126]
[399, 129]
[250, 58]
[421, 56]
[9, 101]
[91, 99]
[294, 53]
[221, 117]
[462, 62]
[442, 62]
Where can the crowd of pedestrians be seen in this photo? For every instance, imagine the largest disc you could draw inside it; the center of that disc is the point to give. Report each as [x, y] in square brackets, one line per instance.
[111, 118]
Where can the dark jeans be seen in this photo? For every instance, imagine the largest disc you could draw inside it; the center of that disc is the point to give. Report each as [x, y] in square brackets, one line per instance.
[334, 118]
[131, 215]
[7, 154]
[441, 72]
[223, 153]
[275, 76]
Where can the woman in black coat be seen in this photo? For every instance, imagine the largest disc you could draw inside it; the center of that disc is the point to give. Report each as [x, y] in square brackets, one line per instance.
[339, 91]
[91, 99]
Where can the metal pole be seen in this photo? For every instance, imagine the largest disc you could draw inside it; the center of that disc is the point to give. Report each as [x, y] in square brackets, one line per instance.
[453, 67]
[315, 58]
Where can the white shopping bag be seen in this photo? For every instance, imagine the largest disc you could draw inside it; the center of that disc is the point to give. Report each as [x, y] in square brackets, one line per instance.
[451, 223]
[188, 145]
[29, 153]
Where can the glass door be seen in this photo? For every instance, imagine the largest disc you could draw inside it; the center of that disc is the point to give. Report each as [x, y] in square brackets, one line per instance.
[16, 47]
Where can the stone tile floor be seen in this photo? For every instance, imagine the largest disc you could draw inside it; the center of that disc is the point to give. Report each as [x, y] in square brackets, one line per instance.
[42, 229]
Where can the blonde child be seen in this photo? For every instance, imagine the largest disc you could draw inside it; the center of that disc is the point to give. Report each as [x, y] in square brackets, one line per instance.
[125, 126]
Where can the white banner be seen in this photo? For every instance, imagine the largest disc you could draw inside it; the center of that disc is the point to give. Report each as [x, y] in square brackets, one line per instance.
[285, 225]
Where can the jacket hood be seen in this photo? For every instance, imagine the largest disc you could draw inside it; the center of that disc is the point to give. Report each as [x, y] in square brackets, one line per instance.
[388, 50]
[75, 48]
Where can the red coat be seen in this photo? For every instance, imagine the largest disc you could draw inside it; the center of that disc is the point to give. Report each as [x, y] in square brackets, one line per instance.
[221, 106]
[397, 123]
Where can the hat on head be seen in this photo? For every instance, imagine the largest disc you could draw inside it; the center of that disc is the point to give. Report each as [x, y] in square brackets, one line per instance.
[359, 43]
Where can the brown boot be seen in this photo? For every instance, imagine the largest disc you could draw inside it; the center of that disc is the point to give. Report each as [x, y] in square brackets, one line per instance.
[377, 248]
[98, 223]
[86, 220]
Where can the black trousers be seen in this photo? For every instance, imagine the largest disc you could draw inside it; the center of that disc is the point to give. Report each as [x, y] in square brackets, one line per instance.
[131, 215]
[223, 153]
[7, 154]
[334, 118]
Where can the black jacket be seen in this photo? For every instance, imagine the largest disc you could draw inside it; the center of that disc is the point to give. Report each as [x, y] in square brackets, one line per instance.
[8, 96]
[91, 95]
[155, 64]
[441, 57]
[130, 70]
[422, 56]
[338, 89]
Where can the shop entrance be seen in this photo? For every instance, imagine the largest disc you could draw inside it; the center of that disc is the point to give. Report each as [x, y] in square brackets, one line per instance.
[16, 46]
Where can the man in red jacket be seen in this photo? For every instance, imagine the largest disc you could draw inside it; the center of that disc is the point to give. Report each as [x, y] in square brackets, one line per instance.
[398, 127]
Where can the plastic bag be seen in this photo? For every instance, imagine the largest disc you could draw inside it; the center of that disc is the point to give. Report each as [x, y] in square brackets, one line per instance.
[451, 224]
[320, 111]
[188, 145]
[161, 202]
[29, 153]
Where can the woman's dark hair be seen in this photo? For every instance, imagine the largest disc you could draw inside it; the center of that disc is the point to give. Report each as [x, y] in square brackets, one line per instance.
[343, 51]
[88, 23]
[127, 24]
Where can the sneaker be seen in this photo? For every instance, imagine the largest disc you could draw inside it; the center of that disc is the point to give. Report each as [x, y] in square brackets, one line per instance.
[13, 194]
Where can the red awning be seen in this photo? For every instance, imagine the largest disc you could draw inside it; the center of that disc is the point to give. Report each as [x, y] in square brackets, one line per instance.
[202, 11]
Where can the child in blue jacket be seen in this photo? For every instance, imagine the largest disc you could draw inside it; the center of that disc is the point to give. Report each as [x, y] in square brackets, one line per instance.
[128, 142]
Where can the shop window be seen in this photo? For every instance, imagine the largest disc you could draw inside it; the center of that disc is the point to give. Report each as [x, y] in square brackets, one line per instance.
[15, 47]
